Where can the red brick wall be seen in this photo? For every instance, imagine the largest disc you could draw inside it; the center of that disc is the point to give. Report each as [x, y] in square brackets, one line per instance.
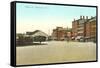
[88, 31]
[91, 29]
[74, 28]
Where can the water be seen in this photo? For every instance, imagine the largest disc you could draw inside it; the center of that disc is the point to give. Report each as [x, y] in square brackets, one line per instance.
[55, 52]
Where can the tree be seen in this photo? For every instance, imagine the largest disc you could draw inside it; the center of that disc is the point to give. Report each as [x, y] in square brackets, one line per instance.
[23, 40]
[20, 39]
[39, 39]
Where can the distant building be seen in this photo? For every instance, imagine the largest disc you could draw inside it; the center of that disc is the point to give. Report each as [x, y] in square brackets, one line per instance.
[22, 39]
[61, 33]
[30, 37]
[37, 33]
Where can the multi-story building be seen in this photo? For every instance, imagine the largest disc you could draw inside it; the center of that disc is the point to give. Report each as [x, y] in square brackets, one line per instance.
[74, 28]
[61, 33]
[91, 29]
[78, 28]
[58, 33]
[84, 28]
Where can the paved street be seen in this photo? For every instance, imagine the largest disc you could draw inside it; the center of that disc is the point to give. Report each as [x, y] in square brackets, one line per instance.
[56, 51]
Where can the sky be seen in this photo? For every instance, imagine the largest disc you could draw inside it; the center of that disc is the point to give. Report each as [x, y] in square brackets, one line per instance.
[31, 17]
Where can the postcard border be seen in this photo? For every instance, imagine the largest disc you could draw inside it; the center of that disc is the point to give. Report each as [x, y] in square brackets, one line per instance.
[13, 33]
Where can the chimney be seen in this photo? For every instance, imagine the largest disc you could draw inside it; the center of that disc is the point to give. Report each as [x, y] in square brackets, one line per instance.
[87, 17]
[91, 16]
[74, 19]
[80, 17]
[83, 17]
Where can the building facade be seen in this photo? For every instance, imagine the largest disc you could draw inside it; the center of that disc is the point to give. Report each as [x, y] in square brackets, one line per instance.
[74, 28]
[91, 29]
[78, 28]
[84, 29]
[61, 33]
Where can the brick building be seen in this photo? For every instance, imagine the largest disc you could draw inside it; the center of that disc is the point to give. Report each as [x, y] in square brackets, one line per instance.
[91, 29]
[74, 28]
[61, 33]
[84, 29]
[78, 28]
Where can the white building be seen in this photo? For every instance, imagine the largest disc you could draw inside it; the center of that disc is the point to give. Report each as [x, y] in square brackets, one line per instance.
[37, 33]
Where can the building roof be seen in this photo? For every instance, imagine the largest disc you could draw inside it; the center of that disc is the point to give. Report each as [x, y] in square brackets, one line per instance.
[31, 33]
[92, 19]
[37, 33]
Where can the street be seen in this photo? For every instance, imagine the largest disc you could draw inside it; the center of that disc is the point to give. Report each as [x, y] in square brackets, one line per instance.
[55, 52]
